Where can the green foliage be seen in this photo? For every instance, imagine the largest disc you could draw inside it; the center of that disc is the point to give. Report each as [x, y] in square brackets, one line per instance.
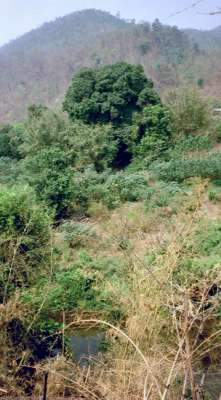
[43, 129]
[110, 189]
[9, 170]
[188, 144]
[207, 239]
[155, 122]
[109, 94]
[77, 234]
[87, 145]
[11, 138]
[122, 95]
[81, 287]
[50, 175]
[190, 113]
[203, 249]
[179, 170]
[66, 292]
[124, 187]
[25, 233]
[162, 195]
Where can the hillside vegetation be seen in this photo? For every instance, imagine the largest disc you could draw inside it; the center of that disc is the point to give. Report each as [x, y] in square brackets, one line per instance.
[110, 219]
[37, 67]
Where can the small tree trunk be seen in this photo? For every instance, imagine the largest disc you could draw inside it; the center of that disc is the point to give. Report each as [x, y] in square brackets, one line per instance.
[188, 348]
[45, 389]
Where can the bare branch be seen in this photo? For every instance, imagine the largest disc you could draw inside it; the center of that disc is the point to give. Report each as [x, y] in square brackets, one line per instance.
[187, 8]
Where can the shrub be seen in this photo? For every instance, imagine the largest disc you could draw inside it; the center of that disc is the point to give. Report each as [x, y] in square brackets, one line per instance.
[179, 170]
[77, 234]
[24, 236]
[190, 113]
[109, 189]
[126, 187]
[190, 143]
[203, 254]
[48, 172]
[214, 195]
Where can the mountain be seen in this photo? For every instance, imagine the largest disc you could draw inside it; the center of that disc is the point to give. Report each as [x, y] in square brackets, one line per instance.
[206, 39]
[37, 67]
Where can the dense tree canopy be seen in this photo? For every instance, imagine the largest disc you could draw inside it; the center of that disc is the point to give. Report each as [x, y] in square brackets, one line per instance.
[122, 96]
[109, 94]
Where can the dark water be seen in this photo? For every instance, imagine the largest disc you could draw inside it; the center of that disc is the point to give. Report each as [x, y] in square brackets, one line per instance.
[212, 384]
[86, 345]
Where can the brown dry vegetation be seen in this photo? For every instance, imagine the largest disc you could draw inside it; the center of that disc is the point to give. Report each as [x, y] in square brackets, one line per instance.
[169, 328]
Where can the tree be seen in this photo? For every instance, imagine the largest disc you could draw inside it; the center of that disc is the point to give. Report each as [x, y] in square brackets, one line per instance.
[108, 94]
[116, 95]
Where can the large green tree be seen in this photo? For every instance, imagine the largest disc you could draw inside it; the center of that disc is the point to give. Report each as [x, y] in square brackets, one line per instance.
[109, 94]
[122, 96]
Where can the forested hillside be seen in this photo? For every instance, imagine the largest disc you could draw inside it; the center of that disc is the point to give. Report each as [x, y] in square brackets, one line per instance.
[38, 66]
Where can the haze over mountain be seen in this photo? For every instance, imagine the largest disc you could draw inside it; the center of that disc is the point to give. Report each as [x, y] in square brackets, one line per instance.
[38, 67]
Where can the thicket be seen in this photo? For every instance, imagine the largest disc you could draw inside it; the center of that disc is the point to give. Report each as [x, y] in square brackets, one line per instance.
[179, 170]
[58, 171]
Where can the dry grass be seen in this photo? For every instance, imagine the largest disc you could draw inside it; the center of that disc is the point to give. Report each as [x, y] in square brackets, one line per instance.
[160, 343]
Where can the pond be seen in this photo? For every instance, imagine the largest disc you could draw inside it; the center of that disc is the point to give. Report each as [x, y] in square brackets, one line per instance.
[86, 345]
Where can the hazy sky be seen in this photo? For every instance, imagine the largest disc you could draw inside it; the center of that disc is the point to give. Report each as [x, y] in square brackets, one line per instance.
[20, 16]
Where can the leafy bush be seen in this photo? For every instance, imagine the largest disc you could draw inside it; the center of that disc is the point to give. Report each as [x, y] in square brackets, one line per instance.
[207, 239]
[161, 195]
[43, 128]
[11, 137]
[124, 187]
[203, 253]
[190, 143]
[24, 236]
[214, 195]
[190, 113]
[109, 189]
[65, 293]
[77, 234]
[9, 170]
[77, 288]
[155, 121]
[179, 170]
[89, 145]
[50, 175]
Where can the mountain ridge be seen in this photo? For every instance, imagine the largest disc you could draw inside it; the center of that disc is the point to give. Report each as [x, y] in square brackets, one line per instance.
[38, 66]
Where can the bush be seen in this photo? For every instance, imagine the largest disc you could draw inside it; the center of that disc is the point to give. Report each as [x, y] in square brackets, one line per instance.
[161, 195]
[179, 170]
[77, 234]
[66, 290]
[190, 113]
[124, 187]
[204, 257]
[24, 236]
[190, 143]
[109, 189]
[50, 175]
